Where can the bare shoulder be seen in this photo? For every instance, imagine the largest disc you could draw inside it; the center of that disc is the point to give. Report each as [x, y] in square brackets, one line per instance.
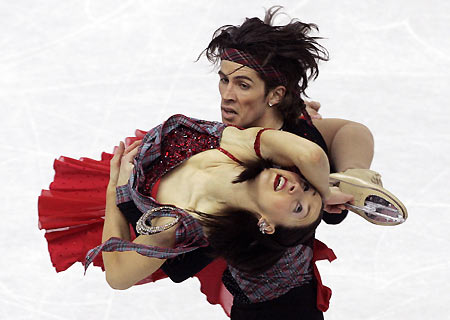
[234, 136]
[239, 142]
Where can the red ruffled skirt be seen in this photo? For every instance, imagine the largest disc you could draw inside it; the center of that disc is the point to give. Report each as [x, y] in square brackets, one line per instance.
[72, 212]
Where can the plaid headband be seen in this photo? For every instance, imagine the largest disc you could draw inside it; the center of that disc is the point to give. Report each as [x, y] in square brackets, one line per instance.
[248, 60]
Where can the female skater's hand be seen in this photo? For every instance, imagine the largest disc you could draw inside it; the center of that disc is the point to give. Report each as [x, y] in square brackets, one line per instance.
[121, 164]
[335, 203]
[127, 162]
[114, 168]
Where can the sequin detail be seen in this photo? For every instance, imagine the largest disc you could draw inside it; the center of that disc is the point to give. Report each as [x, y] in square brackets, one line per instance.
[178, 145]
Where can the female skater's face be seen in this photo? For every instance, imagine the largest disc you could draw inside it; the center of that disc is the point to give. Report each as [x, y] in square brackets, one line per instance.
[243, 102]
[284, 198]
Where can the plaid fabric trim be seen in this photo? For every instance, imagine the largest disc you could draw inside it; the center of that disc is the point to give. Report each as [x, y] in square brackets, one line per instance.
[116, 244]
[292, 270]
[248, 60]
[122, 194]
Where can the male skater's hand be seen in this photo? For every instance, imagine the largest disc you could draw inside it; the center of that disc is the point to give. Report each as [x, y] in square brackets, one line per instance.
[312, 107]
[335, 203]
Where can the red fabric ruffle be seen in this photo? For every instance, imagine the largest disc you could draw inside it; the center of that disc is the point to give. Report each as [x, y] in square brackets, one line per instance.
[72, 211]
[322, 252]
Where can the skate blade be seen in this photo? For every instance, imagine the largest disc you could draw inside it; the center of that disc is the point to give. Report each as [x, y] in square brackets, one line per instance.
[380, 212]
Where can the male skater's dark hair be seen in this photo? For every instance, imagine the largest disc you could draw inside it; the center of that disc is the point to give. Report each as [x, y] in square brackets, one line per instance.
[288, 48]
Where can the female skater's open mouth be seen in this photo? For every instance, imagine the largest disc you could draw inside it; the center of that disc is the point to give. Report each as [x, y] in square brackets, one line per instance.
[279, 183]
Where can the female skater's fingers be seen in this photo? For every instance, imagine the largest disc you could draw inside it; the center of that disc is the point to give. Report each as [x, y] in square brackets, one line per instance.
[132, 153]
[118, 152]
[132, 146]
[115, 164]
[127, 161]
[127, 165]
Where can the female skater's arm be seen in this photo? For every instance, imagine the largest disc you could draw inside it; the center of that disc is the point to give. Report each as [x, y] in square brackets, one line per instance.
[284, 149]
[124, 269]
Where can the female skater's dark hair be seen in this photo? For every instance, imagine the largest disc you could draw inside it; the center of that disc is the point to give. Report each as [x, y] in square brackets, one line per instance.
[234, 233]
[288, 48]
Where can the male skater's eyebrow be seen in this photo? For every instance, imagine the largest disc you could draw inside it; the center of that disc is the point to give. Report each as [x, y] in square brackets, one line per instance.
[237, 77]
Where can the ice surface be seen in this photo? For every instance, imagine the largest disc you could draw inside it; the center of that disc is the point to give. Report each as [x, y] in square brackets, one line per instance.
[78, 76]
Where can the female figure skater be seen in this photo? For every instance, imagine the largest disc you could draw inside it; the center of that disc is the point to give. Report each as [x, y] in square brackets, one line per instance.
[201, 183]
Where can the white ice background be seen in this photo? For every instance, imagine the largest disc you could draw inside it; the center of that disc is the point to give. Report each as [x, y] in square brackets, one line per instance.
[78, 76]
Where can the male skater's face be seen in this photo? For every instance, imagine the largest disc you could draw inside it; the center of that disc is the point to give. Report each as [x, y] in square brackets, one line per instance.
[243, 102]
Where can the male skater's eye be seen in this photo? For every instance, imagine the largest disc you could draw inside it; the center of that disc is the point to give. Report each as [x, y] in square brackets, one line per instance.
[244, 86]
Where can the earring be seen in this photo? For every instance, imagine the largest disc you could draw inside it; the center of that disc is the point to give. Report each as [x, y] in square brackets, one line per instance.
[270, 105]
[262, 226]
